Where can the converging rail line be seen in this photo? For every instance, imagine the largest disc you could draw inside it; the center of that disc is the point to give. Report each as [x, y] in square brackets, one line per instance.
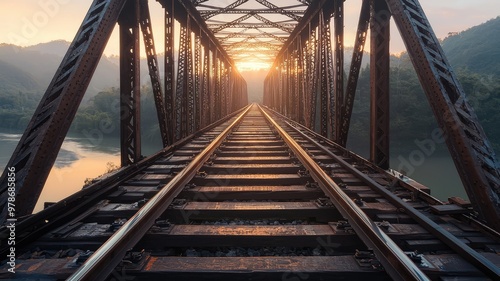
[255, 197]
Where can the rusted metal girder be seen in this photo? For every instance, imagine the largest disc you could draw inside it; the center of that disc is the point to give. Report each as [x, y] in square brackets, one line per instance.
[208, 14]
[311, 42]
[182, 87]
[305, 2]
[217, 87]
[337, 99]
[205, 92]
[154, 73]
[352, 81]
[37, 150]
[198, 83]
[192, 86]
[198, 2]
[169, 74]
[218, 27]
[286, 27]
[468, 145]
[379, 84]
[130, 85]
[185, 8]
[322, 85]
[278, 10]
[301, 83]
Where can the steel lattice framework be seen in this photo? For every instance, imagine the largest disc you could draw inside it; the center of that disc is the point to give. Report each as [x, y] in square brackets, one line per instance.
[302, 86]
[243, 25]
[207, 79]
[305, 83]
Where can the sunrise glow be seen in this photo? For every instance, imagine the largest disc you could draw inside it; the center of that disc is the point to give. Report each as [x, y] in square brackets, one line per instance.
[252, 65]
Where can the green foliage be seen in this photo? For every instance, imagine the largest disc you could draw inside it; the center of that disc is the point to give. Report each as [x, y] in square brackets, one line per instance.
[411, 116]
[483, 92]
[476, 49]
[102, 113]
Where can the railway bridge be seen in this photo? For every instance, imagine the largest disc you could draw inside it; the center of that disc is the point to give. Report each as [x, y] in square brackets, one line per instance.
[245, 191]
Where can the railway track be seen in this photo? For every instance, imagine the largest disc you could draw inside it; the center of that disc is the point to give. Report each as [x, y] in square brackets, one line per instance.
[255, 197]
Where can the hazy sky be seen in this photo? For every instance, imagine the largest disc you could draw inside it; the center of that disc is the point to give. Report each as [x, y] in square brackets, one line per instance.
[29, 22]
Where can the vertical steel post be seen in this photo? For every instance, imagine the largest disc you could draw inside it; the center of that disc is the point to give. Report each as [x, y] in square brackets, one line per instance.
[217, 85]
[338, 83]
[379, 84]
[224, 88]
[169, 74]
[206, 87]
[189, 86]
[198, 82]
[468, 145]
[130, 134]
[352, 81]
[213, 85]
[301, 77]
[323, 75]
[181, 85]
[314, 74]
[154, 73]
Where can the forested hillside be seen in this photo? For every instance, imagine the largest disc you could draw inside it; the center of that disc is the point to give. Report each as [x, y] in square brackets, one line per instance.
[411, 117]
[476, 49]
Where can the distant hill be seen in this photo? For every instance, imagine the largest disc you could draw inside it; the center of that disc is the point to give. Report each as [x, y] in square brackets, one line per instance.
[57, 47]
[476, 49]
[14, 80]
[41, 61]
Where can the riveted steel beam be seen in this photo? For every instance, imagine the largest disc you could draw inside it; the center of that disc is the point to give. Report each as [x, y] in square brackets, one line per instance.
[37, 150]
[468, 145]
[130, 85]
[154, 73]
[379, 84]
[352, 80]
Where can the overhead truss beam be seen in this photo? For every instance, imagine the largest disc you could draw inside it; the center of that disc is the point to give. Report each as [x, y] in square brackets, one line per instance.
[208, 14]
[279, 10]
[283, 26]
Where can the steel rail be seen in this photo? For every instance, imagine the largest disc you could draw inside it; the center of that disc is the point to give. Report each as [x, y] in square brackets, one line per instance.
[49, 218]
[108, 256]
[396, 263]
[419, 193]
[442, 234]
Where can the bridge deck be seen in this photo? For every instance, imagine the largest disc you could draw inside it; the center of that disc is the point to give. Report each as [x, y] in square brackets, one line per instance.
[253, 208]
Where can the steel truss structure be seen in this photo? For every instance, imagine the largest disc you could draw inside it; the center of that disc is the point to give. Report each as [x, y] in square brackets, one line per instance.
[208, 87]
[246, 23]
[306, 84]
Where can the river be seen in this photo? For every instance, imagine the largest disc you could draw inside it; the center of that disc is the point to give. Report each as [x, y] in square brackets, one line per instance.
[80, 159]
